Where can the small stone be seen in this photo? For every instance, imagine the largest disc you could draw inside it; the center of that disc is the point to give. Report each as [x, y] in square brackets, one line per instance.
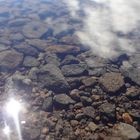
[95, 97]
[86, 100]
[107, 111]
[92, 126]
[73, 70]
[89, 81]
[48, 104]
[63, 100]
[45, 131]
[127, 118]
[74, 94]
[89, 112]
[74, 123]
[34, 133]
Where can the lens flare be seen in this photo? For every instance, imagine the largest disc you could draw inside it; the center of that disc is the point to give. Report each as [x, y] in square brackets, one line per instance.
[13, 107]
[6, 130]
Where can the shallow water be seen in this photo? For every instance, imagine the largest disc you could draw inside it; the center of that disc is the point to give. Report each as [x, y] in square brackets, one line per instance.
[69, 69]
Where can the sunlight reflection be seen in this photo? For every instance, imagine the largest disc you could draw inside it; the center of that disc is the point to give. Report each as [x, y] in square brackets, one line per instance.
[13, 108]
[7, 131]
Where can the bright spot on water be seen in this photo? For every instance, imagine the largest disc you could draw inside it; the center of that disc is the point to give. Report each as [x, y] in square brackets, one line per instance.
[6, 130]
[13, 107]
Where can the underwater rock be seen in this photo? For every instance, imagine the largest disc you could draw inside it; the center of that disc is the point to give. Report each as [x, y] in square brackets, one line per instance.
[26, 49]
[34, 29]
[63, 100]
[74, 70]
[50, 76]
[30, 61]
[10, 60]
[112, 82]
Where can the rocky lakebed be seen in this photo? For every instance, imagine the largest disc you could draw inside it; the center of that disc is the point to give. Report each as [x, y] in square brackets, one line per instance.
[66, 90]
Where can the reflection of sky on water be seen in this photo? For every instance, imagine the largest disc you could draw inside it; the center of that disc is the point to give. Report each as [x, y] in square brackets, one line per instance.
[109, 26]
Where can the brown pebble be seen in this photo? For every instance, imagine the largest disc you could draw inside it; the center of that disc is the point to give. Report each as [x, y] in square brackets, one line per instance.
[45, 130]
[127, 118]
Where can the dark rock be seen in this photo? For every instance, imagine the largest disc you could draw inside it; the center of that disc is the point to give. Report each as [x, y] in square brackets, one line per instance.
[97, 71]
[48, 104]
[79, 116]
[10, 60]
[74, 94]
[135, 114]
[89, 81]
[107, 111]
[30, 61]
[71, 40]
[63, 100]
[74, 70]
[51, 77]
[83, 93]
[112, 82]
[89, 112]
[26, 49]
[69, 59]
[133, 74]
[86, 100]
[51, 58]
[75, 82]
[39, 44]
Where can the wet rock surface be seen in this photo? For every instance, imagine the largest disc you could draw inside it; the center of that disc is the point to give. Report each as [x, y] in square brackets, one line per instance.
[112, 82]
[67, 92]
[10, 59]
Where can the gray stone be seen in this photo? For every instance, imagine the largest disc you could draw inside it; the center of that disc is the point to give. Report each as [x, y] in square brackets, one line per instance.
[86, 100]
[34, 29]
[74, 70]
[30, 61]
[107, 111]
[3, 47]
[48, 104]
[69, 59]
[91, 81]
[26, 49]
[112, 82]
[92, 126]
[34, 133]
[50, 76]
[52, 58]
[128, 131]
[10, 60]
[39, 44]
[63, 100]
[89, 112]
[133, 74]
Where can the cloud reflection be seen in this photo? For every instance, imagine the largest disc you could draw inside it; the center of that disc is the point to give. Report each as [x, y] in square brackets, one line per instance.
[108, 25]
